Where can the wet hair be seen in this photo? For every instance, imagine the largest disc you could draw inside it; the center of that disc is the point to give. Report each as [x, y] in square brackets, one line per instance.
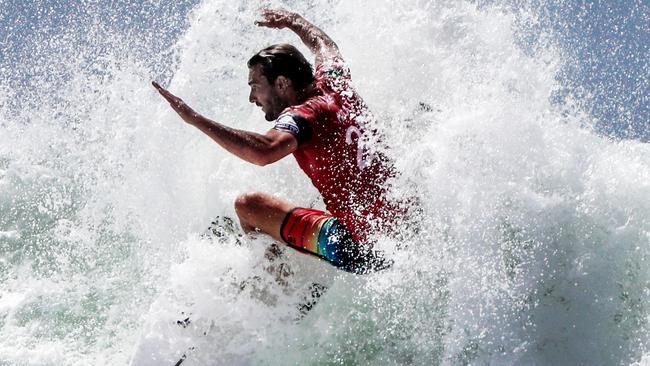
[284, 60]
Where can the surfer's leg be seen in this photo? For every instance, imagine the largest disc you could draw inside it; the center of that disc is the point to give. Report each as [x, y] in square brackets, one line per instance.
[308, 230]
[319, 233]
[263, 212]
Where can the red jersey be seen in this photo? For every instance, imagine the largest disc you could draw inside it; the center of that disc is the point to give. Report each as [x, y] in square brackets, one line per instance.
[337, 149]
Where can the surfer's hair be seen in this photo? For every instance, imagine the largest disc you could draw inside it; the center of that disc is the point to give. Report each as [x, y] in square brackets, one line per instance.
[284, 60]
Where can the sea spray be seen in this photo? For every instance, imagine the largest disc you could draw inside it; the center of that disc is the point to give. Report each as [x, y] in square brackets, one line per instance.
[529, 247]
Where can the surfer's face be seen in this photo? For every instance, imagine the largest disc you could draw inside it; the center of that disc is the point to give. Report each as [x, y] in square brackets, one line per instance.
[264, 94]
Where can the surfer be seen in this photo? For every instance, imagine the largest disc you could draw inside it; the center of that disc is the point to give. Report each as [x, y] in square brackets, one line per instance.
[320, 119]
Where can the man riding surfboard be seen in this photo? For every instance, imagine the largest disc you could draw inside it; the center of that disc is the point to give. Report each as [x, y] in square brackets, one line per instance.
[320, 119]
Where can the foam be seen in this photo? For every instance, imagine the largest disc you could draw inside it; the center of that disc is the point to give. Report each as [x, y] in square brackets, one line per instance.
[532, 242]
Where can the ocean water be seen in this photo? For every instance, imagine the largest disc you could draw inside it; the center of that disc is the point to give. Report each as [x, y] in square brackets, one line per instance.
[531, 247]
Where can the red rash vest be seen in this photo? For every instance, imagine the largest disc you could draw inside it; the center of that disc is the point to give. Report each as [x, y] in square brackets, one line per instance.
[337, 149]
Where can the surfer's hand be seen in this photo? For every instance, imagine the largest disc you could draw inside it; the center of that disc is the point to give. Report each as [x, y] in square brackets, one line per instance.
[176, 103]
[277, 18]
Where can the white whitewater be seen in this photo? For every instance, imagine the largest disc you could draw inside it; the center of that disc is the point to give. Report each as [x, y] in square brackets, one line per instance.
[532, 247]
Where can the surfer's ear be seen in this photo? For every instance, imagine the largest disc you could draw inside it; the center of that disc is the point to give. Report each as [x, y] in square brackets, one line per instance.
[283, 83]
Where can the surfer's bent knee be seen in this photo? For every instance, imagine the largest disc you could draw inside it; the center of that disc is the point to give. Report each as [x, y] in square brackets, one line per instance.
[250, 201]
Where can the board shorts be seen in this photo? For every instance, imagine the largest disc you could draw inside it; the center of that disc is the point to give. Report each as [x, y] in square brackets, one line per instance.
[321, 234]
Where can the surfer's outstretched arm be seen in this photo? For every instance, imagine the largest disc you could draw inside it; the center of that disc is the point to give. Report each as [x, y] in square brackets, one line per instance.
[250, 146]
[313, 37]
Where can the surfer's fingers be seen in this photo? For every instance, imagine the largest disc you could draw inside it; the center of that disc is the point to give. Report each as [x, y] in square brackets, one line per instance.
[175, 102]
[265, 22]
[171, 98]
[267, 13]
[161, 90]
[277, 13]
[164, 92]
[275, 18]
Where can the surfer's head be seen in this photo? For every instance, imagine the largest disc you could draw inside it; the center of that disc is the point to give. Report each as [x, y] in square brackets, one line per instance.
[279, 74]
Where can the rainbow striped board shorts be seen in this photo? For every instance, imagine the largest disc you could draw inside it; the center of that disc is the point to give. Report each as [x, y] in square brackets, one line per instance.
[321, 234]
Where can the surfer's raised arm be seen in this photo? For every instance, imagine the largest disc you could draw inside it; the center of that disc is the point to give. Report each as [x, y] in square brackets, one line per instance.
[315, 117]
[259, 149]
[313, 37]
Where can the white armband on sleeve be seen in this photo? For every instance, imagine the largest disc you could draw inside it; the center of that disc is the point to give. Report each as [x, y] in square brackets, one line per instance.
[293, 124]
